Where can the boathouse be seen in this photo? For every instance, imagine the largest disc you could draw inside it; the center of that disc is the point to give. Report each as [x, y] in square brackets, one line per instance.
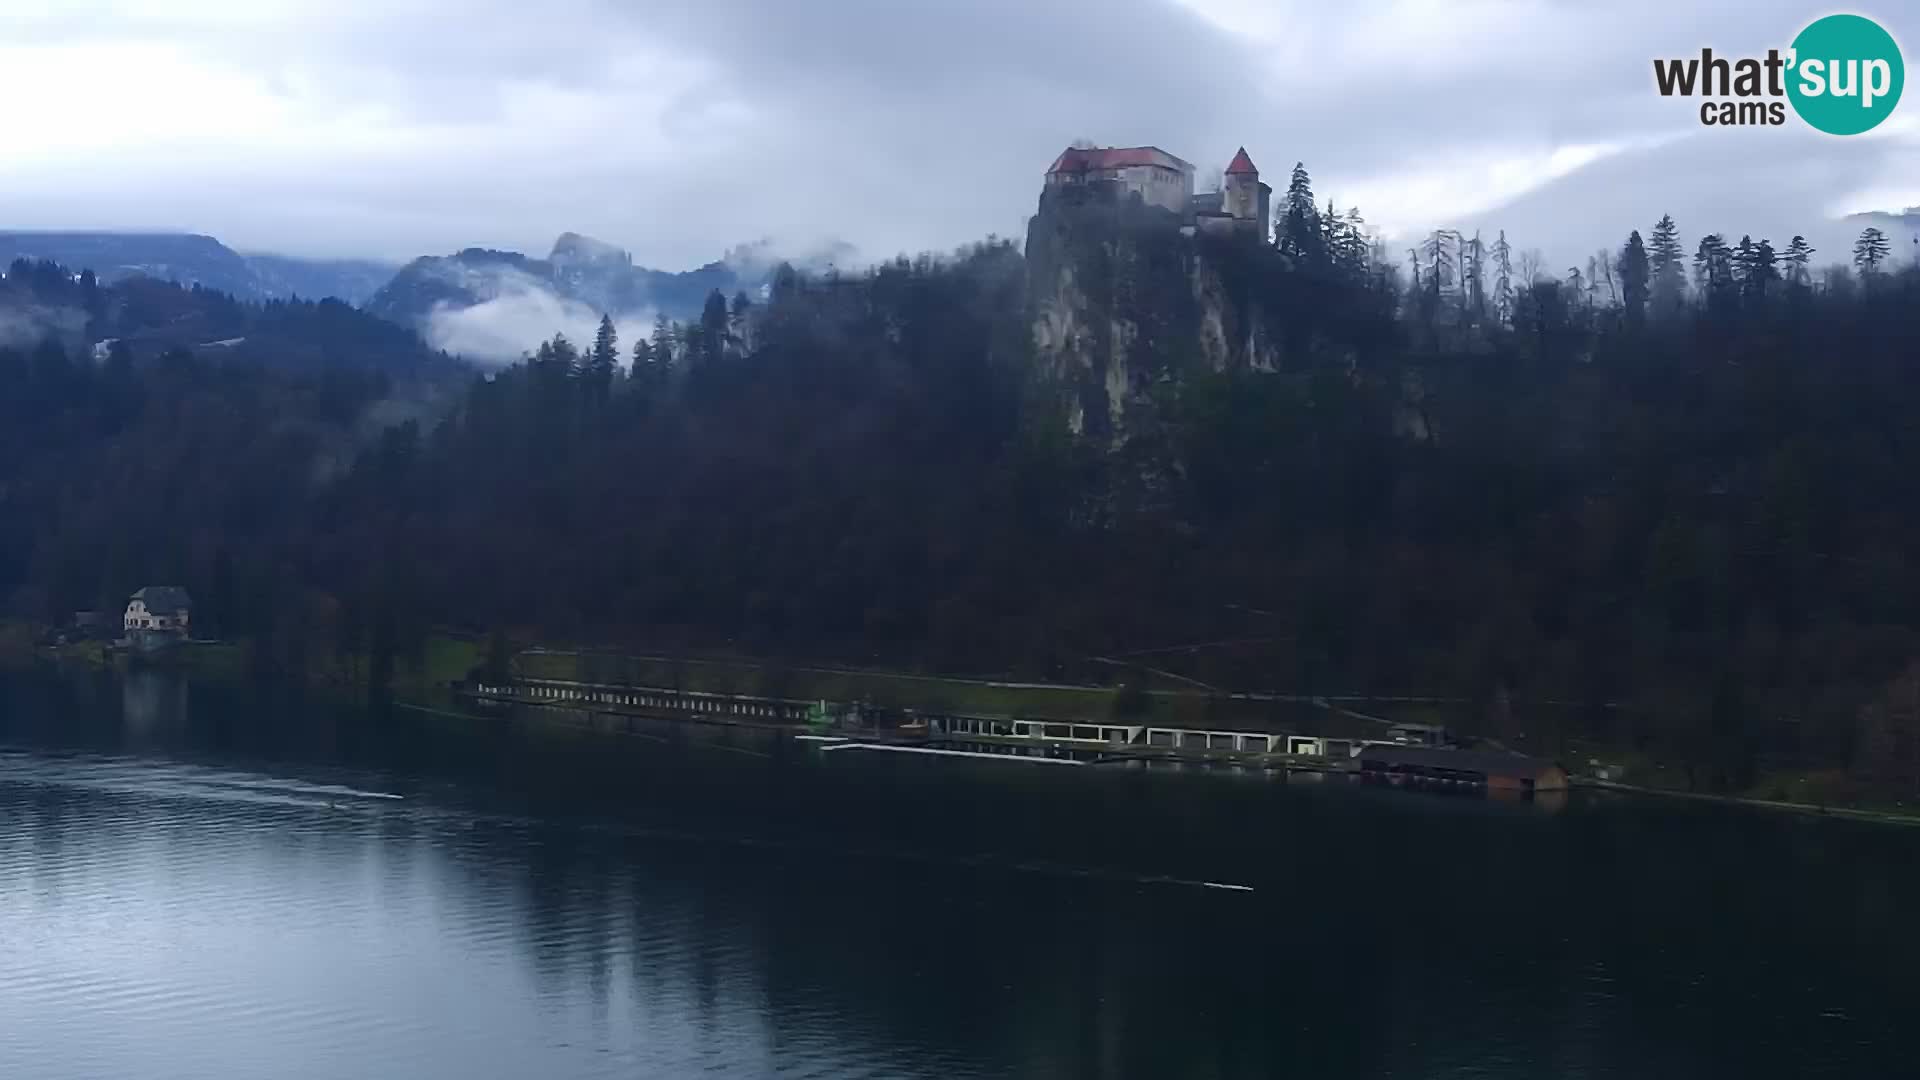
[1495, 771]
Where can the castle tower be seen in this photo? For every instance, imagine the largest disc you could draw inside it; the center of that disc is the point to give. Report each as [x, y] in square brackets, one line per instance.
[1244, 197]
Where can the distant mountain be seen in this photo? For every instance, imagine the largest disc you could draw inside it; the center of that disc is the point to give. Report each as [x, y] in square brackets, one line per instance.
[192, 259]
[579, 269]
[498, 303]
[352, 280]
[44, 301]
[1901, 226]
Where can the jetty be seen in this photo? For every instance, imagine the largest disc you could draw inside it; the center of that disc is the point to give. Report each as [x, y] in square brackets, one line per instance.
[857, 726]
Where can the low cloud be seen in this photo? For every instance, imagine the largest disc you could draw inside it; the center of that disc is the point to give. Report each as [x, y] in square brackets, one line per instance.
[25, 327]
[516, 313]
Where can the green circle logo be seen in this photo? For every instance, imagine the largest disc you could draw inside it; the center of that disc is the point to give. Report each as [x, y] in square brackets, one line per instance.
[1846, 74]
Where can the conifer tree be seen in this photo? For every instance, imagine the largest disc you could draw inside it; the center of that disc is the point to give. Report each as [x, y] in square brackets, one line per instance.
[1870, 250]
[1713, 267]
[1799, 252]
[1665, 260]
[663, 343]
[713, 327]
[601, 362]
[1300, 226]
[1763, 269]
[1635, 276]
[1503, 278]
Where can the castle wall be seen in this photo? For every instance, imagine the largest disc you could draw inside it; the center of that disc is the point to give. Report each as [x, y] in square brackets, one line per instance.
[1166, 188]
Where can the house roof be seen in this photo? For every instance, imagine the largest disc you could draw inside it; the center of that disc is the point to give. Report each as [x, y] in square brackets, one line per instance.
[164, 598]
[1241, 164]
[1087, 159]
[1488, 762]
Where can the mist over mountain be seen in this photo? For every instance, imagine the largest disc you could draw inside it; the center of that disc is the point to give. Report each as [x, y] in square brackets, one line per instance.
[498, 305]
[192, 259]
[141, 319]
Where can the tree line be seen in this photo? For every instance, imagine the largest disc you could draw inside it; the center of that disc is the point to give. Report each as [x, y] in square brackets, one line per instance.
[1681, 502]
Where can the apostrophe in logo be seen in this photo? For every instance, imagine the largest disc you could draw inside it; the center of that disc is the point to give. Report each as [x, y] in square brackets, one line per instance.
[1846, 74]
[1842, 74]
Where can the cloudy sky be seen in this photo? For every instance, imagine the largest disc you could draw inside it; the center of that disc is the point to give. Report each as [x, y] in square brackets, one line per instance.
[677, 128]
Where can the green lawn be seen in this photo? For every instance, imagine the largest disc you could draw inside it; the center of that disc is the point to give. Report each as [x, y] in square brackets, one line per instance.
[444, 660]
[901, 691]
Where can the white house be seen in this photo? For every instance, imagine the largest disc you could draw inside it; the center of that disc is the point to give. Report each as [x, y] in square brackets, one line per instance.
[164, 608]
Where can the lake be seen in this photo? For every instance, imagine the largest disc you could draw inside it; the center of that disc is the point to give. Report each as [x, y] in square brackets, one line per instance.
[233, 884]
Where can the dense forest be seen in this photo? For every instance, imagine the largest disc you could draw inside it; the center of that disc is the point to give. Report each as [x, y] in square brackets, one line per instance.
[1675, 488]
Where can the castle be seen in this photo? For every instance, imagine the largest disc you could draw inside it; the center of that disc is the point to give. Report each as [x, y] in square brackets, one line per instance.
[1159, 179]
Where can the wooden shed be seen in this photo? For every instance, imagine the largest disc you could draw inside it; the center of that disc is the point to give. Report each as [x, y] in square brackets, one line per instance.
[1491, 770]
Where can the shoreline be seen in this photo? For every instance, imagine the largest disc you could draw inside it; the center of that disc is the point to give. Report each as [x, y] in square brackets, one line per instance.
[416, 689]
[1851, 813]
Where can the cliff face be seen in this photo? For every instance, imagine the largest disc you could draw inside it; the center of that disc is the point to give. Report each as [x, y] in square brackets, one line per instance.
[1122, 305]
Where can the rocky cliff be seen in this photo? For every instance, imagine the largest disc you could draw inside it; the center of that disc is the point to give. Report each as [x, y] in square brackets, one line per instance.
[1124, 302]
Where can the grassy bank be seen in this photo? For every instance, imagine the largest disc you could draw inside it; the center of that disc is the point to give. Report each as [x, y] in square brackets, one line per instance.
[1868, 810]
[928, 693]
[442, 660]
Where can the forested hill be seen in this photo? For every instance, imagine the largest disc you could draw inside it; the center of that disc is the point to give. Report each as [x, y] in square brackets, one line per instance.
[42, 302]
[1688, 492]
[191, 259]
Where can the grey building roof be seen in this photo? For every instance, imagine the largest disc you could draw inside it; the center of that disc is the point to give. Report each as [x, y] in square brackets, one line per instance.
[1488, 762]
[165, 598]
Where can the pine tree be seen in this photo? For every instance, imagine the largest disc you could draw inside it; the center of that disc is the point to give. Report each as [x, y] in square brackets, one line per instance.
[1713, 266]
[1473, 274]
[1635, 276]
[1799, 252]
[642, 368]
[1441, 264]
[1300, 226]
[1503, 278]
[713, 327]
[557, 360]
[1665, 259]
[1870, 250]
[601, 362]
[663, 351]
[1332, 237]
[1355, 254]
[1743, 262]
[606, 345]
[1763, 269]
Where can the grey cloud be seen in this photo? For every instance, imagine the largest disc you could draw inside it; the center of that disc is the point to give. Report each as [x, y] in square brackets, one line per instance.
[1763, 182]
[908, 126]
[23, 327]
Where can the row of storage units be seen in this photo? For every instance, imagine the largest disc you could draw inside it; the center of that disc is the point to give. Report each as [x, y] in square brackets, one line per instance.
[1097, 734]
[638, 697]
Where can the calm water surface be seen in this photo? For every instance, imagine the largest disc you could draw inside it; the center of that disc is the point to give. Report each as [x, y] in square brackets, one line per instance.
[218, 884]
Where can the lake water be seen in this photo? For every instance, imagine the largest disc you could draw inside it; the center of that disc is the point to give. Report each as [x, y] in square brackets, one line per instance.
[221, 884]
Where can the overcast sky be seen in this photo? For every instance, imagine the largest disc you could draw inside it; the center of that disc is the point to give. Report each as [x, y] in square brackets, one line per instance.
[676, 128]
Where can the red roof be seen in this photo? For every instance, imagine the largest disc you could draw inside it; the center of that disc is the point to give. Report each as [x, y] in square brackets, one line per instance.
[1077, 159]
[1241, 164]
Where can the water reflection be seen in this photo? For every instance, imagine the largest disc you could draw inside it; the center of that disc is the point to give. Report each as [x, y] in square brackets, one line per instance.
[264, 887]
[150, 699]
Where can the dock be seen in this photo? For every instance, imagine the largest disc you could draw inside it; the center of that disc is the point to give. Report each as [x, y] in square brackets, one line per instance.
[843, 726]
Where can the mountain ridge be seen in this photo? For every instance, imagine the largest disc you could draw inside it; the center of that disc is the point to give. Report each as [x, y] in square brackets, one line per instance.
[197, 259]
